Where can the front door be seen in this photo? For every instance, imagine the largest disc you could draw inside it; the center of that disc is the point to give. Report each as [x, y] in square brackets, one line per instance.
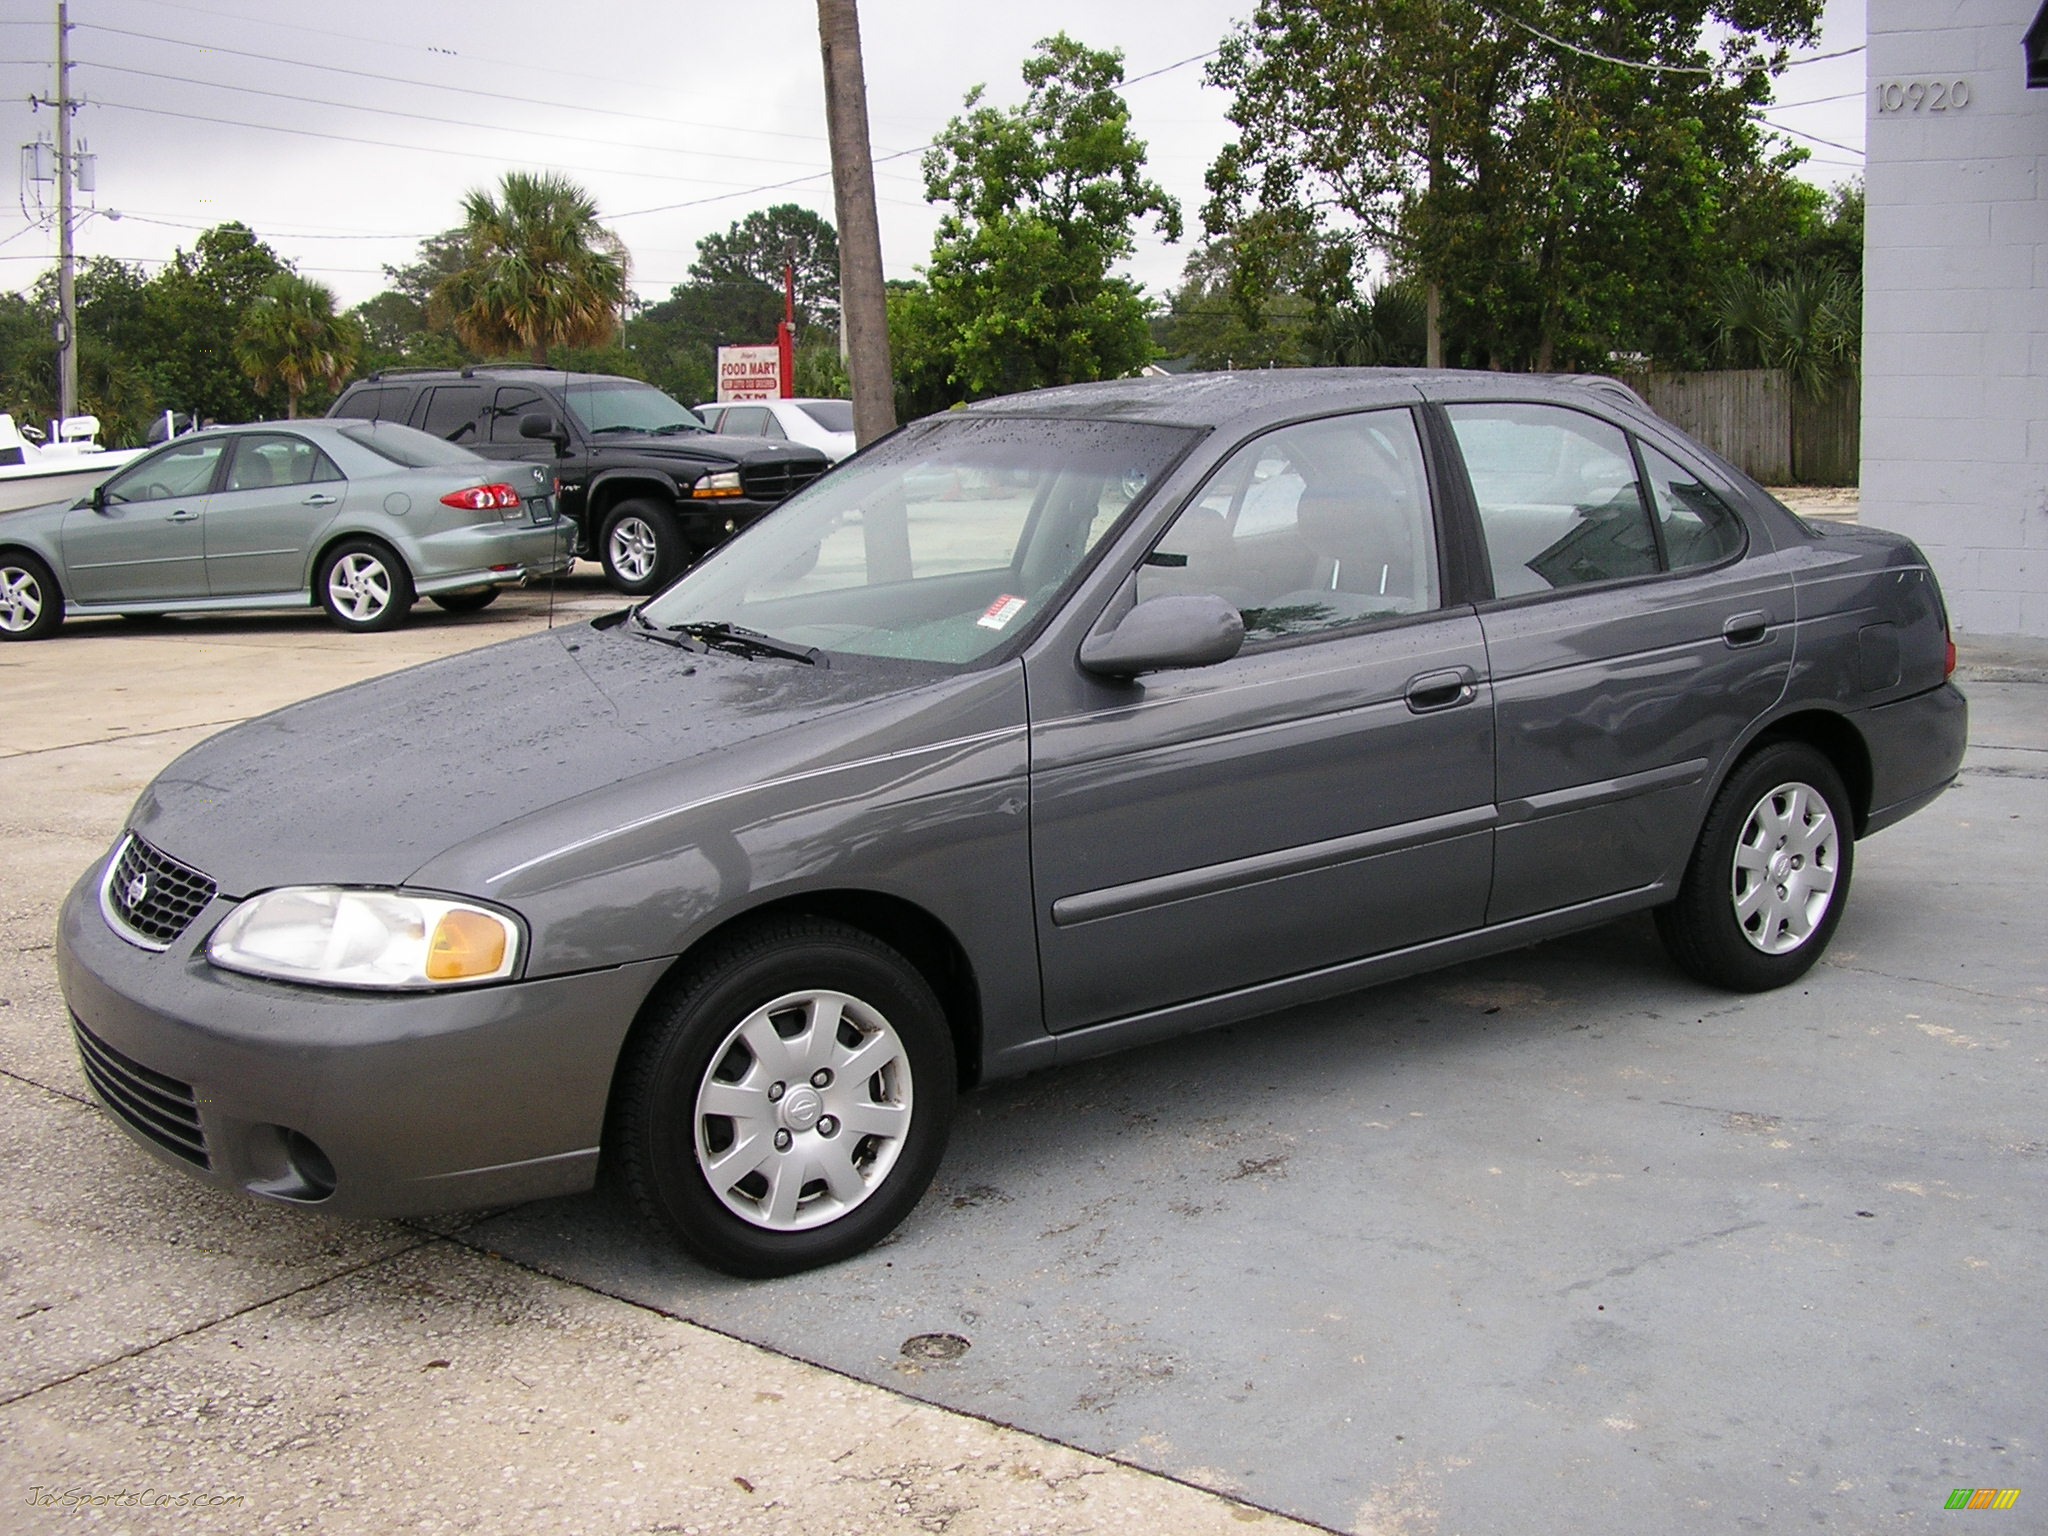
[146, 541]
[1324, 796]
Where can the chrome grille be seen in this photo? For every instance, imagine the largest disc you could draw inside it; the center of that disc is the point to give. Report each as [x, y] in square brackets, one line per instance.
[779, 481]
[150, 898]
[154, 1106]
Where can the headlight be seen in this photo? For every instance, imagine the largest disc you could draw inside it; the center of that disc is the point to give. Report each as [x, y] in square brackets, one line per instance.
[725, 483]
[345, 938]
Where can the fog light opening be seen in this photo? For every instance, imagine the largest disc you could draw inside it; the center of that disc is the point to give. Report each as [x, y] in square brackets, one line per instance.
[314, 1168]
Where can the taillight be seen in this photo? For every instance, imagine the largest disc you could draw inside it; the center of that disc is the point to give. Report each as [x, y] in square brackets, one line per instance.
[483, 498]
[1948, 666]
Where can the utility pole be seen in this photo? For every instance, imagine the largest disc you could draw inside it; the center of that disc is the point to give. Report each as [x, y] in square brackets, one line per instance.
[67, 297]
[863, 305]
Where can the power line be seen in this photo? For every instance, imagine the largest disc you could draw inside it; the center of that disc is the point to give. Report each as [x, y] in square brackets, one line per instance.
[1787, 106]
[424, 149]
[1815, 58]
[1799, 134]
[1605, 58]
[449, 122]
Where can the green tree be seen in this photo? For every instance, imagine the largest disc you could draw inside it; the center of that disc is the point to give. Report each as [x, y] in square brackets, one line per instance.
[192, 310]
[1043, 200]
[399, 327]
[538, 270]
[291, 339]
[751, 255]
[1554, 200]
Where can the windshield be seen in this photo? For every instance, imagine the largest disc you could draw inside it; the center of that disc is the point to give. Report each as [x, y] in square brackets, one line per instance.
[618, 405]
[935, 545]
[406, 446]
[832, 415]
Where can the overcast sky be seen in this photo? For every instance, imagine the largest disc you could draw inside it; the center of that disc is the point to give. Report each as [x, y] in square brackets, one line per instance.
[345, 134]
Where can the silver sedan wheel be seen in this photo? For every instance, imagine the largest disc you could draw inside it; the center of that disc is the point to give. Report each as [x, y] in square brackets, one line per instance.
[633, 548]
[804, 1111]
[21, 599]
[359, 587]
[1785, 867]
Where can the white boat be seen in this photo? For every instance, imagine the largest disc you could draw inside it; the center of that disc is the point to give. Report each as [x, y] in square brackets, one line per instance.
[35, 469]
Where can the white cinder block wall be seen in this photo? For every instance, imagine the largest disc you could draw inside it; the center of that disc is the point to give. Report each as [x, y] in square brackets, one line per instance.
[1955, 316]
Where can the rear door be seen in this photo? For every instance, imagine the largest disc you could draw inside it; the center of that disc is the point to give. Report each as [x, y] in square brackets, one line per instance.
[279, 493]
[1324, 796]
[1637, 628]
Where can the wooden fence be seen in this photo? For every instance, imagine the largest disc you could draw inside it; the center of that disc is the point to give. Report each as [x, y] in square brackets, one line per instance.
[1755, 417]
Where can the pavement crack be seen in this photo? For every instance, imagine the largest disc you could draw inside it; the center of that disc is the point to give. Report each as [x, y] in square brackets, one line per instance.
[55, 1093]
[102, 741]
[1923, 981]
[1623, 1271]
[258, 1305]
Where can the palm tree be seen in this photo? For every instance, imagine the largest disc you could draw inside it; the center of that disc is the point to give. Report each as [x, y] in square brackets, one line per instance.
[539, 270]
[291, 339]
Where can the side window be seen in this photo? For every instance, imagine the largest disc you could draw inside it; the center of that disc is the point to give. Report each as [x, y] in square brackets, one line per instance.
[513, 402]
[452, 412]
[264, 459]
[710, 415]
[372, 404]
[746, 421]
[1557, 494]
[183, 469]
[1699, 528]
[1312, 527]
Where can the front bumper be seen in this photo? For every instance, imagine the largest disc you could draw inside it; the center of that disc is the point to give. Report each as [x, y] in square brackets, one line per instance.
[410, 1102]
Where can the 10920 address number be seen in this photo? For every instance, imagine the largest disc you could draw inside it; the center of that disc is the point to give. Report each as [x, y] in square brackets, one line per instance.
[1921, 96]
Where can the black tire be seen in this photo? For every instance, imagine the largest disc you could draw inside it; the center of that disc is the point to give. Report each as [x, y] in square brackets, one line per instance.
[364, 586]
[881, 1133]
[31, 605]
[466, 602]
[641, 546]
[1770, 875]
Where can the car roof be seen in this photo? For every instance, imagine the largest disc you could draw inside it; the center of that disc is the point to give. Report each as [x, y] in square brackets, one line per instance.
[494, 373]
[1212, 399]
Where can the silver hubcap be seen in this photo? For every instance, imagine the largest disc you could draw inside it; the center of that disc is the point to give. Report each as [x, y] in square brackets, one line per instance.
[804, 1111]
[1785, 865]
[21, 599]
[359, 586]
[632, 548]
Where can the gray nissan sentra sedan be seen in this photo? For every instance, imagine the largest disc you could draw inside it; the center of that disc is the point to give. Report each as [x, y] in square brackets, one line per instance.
[1067, 722]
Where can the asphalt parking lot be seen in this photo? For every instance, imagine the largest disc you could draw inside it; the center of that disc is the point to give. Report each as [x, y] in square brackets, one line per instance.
[1554, 1243]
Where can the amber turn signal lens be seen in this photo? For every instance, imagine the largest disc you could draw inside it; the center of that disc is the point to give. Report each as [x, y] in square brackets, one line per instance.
[465, 944]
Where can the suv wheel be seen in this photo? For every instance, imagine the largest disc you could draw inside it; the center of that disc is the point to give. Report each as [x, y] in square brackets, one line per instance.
[642, 547]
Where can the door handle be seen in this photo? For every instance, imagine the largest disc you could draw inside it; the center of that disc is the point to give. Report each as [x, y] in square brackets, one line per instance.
[183, 515]
[1746, 629]
[320, 499]
[1441, 690]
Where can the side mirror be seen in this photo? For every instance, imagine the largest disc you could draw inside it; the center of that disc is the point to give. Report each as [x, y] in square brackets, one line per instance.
[1180, 631]
[543, 425]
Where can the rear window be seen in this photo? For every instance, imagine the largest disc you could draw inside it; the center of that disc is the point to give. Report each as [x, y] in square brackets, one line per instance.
[832, 415]
[403, 445]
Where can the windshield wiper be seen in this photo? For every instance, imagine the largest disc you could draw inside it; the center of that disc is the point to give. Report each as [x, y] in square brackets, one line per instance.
[748, 642]
[647, 628]
[618, 427]
[677, 426]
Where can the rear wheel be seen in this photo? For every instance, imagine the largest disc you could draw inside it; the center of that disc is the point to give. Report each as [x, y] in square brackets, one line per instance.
[788, 1106]
[466, 602]
[31, 607]
[364, 586]
[1769, 876]
[642, 547]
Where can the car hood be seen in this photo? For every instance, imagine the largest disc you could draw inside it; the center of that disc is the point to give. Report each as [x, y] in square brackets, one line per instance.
[706, 448]
[367, 785]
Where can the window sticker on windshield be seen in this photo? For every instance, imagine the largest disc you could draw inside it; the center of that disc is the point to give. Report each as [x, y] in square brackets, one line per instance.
[1000, 612]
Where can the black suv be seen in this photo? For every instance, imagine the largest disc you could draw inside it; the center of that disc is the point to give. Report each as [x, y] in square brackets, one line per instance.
[648, 486]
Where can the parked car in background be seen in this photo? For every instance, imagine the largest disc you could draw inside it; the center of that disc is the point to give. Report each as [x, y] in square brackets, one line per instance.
[358, 517]
[648, 488]
[826, 425]
[1059, 724]
[34, 469]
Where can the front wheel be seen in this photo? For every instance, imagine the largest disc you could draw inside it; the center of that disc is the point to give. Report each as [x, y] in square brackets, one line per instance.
[1769, 876]
[642, 547]
[788, 1105]
[31, 607]
[364, 586]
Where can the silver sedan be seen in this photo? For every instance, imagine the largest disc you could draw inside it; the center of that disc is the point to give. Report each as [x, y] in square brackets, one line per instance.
[361, 518]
